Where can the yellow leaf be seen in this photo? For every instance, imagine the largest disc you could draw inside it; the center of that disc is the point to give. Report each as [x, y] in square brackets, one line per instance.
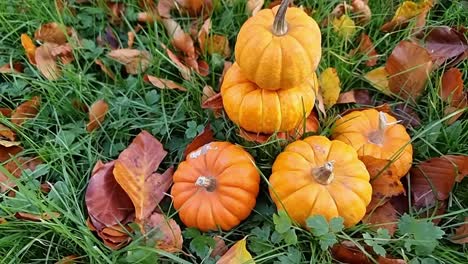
[378, 77]
[330, 86]
[406, 11]
[344, 26]
[237, 254]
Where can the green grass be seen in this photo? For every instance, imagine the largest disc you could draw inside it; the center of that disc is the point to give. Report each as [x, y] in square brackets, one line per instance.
[58, 136]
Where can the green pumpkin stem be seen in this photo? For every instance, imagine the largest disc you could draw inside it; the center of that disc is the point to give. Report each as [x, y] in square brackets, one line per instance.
[209, 183]
[280, 27]
[324, 174]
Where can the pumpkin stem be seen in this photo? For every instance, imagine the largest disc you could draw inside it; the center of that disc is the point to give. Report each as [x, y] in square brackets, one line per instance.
[209, 183]
[280, 27]
[377, 137]
[324, 174]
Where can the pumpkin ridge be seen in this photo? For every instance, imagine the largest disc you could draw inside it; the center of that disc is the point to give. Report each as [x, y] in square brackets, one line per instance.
[352, 190]
[261, 58]
[219, 197]
[312, 207]
[312, 182]
[302, 47]
[226, 213]
[246, 49]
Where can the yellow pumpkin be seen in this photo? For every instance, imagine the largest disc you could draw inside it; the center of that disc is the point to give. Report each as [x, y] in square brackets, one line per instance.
[278, 48]
[263, 111]
[376, 134]
[316, 176]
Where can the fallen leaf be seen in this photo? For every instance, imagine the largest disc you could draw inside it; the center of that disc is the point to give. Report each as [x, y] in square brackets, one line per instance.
[203, 34]
[408, 117]
[179, 38]
[361, 11]
[164, 83]
[7, 133]
[5, 111]
[164, 7]
[130, 39]
[109, 40]
[319, 103]
[46, 187]
[408, 66]
[253, 6]
[37, 217]
[218, 44]
[446, 44]
[329, 86]
[195, 7]
[116, 12]
[384, 216]
[135, 61]
[68, 260]
[378, 78]
[167, 235]
[16, 167]
[97, 113]
[207, 93]
[53, 33]
[134, 172]
[348, 252]
[406, 11]
[104, 68]
[203, 68]
[434, 179]
[451, 89]
[461, 233]
[29, 48]
[344, 26]
[359, 96]
[366, 48]
[201, 139]
[220, 247]
[238, 253]
[7, 143]
[64, 52]
[46, 63]
[115, 237]
[460, 109]
[15, 67]
[26, 111]
[184, 70]
[105, 200]
[7, 152]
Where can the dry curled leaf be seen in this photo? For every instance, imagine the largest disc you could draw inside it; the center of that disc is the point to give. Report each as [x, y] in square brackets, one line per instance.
[451, 90]
[406, 11]
[97, 113]
[52, 33]
[201, 139]
[384, 216]
[253, 6]
[461, 233]
[46, 63]
[134, 171]
[408, 67]
[330, 86]
[366, 48]
[7, 152]
[29, 48]
[37, 217]
[179, 38]
[130, 39]
[26, 111]
[238, 253]
[446, 44]
[359, 96]
[164, 83]
[361, 11]
[135, 61]
[195, 7]
[378, 78]
[167, 233]
[184, 70]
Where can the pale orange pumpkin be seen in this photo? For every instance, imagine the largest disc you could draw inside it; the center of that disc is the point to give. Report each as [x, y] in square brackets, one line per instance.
[278, 48]
[215, 187]
[376, 134]
[316, 176]
[263, 111]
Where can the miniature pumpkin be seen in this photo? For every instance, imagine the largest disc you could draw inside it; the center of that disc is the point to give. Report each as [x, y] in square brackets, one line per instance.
[376, 134]
[278, 51]
[263, 111]
[316, 176]
[215, 187]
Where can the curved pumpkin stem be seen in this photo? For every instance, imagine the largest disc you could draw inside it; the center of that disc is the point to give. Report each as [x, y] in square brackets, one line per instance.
[209, 183]
[324, 174]
[280, 27]
[377, 137]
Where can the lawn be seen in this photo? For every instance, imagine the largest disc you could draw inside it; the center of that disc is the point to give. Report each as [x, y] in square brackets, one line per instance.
[85, 83]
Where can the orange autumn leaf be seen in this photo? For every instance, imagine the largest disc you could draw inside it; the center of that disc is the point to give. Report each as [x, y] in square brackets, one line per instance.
[366, 48]
[52, 33]
[134, 171]
[97, 113]
[164, 83]
[135, 61]
[46, 62]
[451, 90]
[238, 253]
[406, 11]
[15, 167]
[450, 110]
[166, 234]
[26, 111]
[114, 237]
[29, 47]
[218, 44]
[184, 70]
[37, 217]
[203, 33]
[201, 139]
[408, 67]
[7, 133]
[384, 216]
[461, 233]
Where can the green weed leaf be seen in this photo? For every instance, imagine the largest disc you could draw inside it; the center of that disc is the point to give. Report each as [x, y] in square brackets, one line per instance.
[420, 234]
[318, 225]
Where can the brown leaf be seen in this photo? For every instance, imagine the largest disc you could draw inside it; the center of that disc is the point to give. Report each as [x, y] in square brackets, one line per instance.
[446, 44]
[131, 39]
[16, 167]
[116, 12]
[104, 68]
[164, 83]
[405, 13]
[97, 113]
[37, 217]
[203, 138]
[16, 67]
[29, 48]
[134, 172]
[5, 111]
[366, 48]
[179, 38]
[203, 34]
[68, 260]
[409, 66]
[203, 68]
[7, 133]
[195, 7]
[238, 253]
[451, 90]
[384, 216]
[46, 187]
[348, 252]
[253, 6]
[167, 235]
[361, 11]
[46, 62]
[26, 111]
[461, 233]
[460, 110]
[184, 70]
[135, 61]
[434, 179]
[105, 200]
[64, 52]
[7, 152]
[359, 96]
[53, 33]
[164, 8]
[220, 247]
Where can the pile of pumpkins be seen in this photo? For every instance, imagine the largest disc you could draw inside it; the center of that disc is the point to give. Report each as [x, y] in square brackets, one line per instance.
[271, 88]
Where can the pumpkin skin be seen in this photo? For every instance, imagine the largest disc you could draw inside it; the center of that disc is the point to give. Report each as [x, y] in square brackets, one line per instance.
[275, 61]
[297, 182]
[263, 111]
[215, 187]
[359, 129]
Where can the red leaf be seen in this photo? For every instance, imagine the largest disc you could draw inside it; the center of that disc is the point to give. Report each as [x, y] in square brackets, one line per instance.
[26, 111]
[8, 152]
[168, 235]
[452, 87]
[203, 138]
[409, 66]
[366, 47]
[16, 67]
[446, 44]
[97, 113]
[384, 216]
[348, 252]
[106, 201]
[36, 217]
[164, 83]
[461, 233]
[434, 179]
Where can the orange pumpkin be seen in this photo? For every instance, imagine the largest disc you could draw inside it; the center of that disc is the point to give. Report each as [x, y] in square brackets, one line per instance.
[215, 187]
[376, 134]
[316, 176]
[278, 48]
[263, 111]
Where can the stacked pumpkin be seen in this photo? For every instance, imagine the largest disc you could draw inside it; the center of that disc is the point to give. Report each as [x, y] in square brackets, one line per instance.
[272, 85]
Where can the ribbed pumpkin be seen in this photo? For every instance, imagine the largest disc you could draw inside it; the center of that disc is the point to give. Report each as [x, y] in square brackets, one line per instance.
[215, 187]
[376, 134]
[316, 176]
[278, 48]
[264, 111]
